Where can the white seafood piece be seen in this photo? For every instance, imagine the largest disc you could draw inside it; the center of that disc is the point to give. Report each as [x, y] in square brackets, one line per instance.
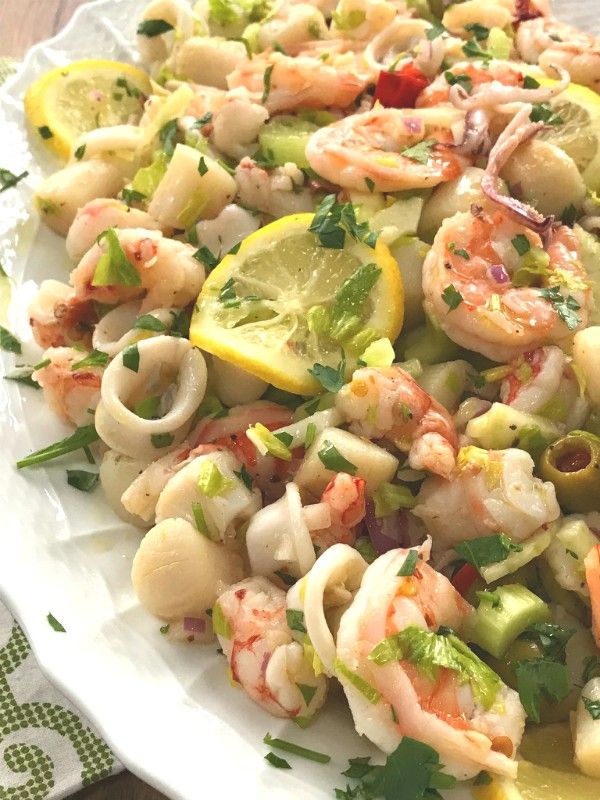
[117, 473]
[228, 228]
[115, 331]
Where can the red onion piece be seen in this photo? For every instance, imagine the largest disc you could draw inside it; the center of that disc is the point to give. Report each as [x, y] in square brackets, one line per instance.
[498, 273]
[194, 625]
[524, 10]
[387, 533]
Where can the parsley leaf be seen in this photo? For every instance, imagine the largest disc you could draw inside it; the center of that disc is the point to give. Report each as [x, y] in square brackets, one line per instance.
[530, 83]
[472, 50]
[80, 152]
[332, 459]
[564, 307]
[267, 82]
[537, 678]
[153, 27]
[591, 668]
[480, 32]
[82, 479]
[486, 550]
[275, 761]
[148, 322]
[551, 639]
[55, 624]
[435, 30]
[168, 136]
[541, 112]
[330, 379]
[162, 439]
[45, 132]
[95, 359]
[114, 268]
[295, 620]
[461, 79]
[8, 179]
[296, 749]
[131, 196]
[206, 257]
[521, 244]
[420, 152]
[202, 167]
[244, 476]
[81, 438]
[408, 567]
[131, 357]
[333, 220]
[452, 297]
[592, 707]
[9, 342]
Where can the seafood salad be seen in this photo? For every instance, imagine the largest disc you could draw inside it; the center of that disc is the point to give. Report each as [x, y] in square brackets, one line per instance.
[331, 339]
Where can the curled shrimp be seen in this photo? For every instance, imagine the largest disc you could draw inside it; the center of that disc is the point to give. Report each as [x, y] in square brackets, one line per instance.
[170, 275]
[493, 490]
[344, 496]
[58, 318]
[99, 215]
[369, 147]
[263, 658]
[548, 42]
[592, 577]
[387, 403]
[72, 392]
[470, 730]
[472, 262]
[303, 81]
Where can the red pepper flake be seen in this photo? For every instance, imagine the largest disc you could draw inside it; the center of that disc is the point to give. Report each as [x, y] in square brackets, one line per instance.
[400, 89]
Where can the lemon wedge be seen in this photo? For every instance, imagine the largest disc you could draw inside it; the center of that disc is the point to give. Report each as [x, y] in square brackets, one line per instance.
[83, 96]
[263, 307]
[579, 133]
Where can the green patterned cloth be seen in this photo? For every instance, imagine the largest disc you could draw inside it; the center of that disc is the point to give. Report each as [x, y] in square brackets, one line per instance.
[47, 749]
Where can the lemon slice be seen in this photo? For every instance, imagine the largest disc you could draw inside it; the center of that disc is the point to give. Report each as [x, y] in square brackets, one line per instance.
[579, 135]
[68, 101]
[497, 789]
[253, 310]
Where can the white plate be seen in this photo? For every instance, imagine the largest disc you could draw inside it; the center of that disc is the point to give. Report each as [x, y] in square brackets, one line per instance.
[168, 711]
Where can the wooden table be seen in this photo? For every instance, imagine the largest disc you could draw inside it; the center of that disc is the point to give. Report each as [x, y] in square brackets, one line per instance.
[22, 23]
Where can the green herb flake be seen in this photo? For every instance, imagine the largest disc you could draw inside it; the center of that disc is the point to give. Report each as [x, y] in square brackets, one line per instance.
[285, 577]
[530, 83]
[332, 220]
[275, 761]
[203, 120]
[81, 438]
[45, 132]
[295, 620]
[82, 480]
[8, 179]
[462, 79]
[458, 251]
[569, 215]
[162, 439]
[364, 546]
[551, 639]
[330, 379]
[480, 32]
[363, 686]
[168, 137]
[148, 322]
[592, 707]
[202, 167]
[309, 436]
[9, 342]
[332, 459]
[307, 692]
[296, 749]
[95, 359]
[245, 477]
[23, 376]
[131, 357]
[153, 27]
[472, 50]
[537, 678]
[148, 408]
[55, 624]
[521, 244]
[370, 184]
[420, 152]
[542, 112]
[114, 268]
[486, 550]
[452, 297]
[408, 567]
[591, 668]
[565, 307]
[267, 82]
[435, 30]
[131, 196]
[80, 152]
[164, 629]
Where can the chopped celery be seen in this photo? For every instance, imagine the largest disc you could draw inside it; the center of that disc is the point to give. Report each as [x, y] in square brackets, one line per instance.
[590, 258]
[146, 179]
[445, 382]
[503, 426]
[532, 548]
[284, 139]
[497, 624]
[429, 345]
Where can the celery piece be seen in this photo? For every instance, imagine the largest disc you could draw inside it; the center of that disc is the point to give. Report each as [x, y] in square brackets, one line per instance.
[503, 426]
[496, 625]
[429, 345]
[445, 382]
[532, 548]
[284, 139]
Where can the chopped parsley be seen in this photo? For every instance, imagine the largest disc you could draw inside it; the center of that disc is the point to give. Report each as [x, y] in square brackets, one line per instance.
[114, 268]
[565, 307]
[275, 761]
[542, 112]
[333, 220]
[480, 32]
[551, 639]
[8, 179]
[80, 152]
[148, 322]
[162, 439]
[131, 357]
[210, 261]
[530, 83]
[202, 167]
[55, 624]
[82, 479]
[168, 137]
[267, 82]
[81, 438]
[486, 550]
[9, 342]
[370, 184]
[45, 132]
[332, 459]
[330, 379]
[296, 749]
[408, 567]
[458, 251]
[307, 692]
[472, 50]
[591, 668]
[23, 376]
[95, 359]
[131, 196]
[542, 677]
[295, 620]
[521, 244]
[452, 297]
[462, 79]
[420, 152]
[245, 477]
[153, 27]
[435, 30]
[569, 215]
[592, 707]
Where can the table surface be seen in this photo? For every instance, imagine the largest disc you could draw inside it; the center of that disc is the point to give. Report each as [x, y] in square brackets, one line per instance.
[23, 23]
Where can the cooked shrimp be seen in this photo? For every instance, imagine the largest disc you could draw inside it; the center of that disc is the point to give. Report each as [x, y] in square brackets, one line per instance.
[270, 474]
[472, 262]
[300, 81]
[592, 577]
[388, 403]
[494, 490]
[59, 318]
[472, 725]
[542, 381]
[370, 147]
[344, 496]
[547, 41]
[99, 215]
[170, 275]
[264, 660]
[72, 392]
